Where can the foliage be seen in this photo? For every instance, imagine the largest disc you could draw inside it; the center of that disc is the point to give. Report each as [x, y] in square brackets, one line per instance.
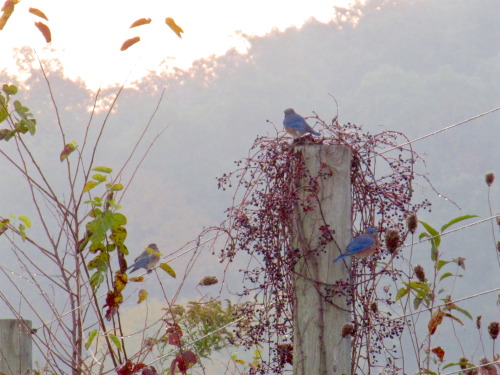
[18, 116]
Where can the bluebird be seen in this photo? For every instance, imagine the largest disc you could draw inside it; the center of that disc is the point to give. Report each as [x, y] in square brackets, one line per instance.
[296, 125]
[147, 259]
[362, 246]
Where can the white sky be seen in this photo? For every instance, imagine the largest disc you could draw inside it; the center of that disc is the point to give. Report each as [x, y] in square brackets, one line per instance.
[87, 35]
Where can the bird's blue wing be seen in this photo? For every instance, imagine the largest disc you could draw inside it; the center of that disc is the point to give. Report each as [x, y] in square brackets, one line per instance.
[359, 244]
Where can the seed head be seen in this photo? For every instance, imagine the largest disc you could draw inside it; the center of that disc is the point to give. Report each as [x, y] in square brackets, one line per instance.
[493, 329]
[392, 240]
[489, 178]
[411, 222]
[419, 272]
[348, 330]
[208, 280]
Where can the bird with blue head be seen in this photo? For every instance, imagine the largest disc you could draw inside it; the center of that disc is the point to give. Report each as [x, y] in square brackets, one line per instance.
[147, 260]
[296, 125]
[361, 246]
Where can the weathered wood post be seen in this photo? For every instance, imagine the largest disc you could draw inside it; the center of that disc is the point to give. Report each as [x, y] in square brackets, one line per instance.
[15, 347]
[318, 345]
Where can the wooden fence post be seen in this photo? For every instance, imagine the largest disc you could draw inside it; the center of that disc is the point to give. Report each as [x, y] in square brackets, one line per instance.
[318, 345]
[15, 347]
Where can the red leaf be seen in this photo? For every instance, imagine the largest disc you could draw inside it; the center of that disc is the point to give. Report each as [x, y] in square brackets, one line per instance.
[39, 13]
[44, 29]
[129, 42]
[439, 352]
[183, 361]
[140, 22]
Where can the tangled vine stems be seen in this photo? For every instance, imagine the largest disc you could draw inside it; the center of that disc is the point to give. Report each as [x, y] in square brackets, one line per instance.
[260, 224]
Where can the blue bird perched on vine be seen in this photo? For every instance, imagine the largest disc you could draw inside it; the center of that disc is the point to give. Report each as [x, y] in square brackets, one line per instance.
[362, 246]
[147, 259]
[296, 125]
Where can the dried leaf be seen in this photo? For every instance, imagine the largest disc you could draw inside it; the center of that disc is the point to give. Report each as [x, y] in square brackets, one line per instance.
[129, 42]
[7, 9]
[44, 29]
[435, 321]
[68, 149]
[143, 294]
[39, 13]
[439, 352]
[140, 22]
[175, 28]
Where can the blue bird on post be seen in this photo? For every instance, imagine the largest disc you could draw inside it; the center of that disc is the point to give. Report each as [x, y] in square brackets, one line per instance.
[147, 259]
[296, 125]
[362, 246]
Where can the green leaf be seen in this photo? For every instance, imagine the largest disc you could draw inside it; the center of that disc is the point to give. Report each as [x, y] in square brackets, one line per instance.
[434, 233]
[99, 177]
[91, 338]
[9, 89]
[463, 311]
[102, 169]
[165, 267]
[25, 220]
[20, 109]
[115, 340]
[441, 263]
[445, 275]
[3, 113]
[30, 125]
[417, 302]
[116, 187]
[90, 185]
[401, 293]
[456, 220]
[96, 279]
[119, 220]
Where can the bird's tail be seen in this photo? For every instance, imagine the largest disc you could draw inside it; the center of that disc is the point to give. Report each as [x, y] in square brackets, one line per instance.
[315, 133]
[342, 256]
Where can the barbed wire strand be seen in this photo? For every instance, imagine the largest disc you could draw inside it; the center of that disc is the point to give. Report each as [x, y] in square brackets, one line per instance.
[439, 131]
[472, 368]
[105, 293]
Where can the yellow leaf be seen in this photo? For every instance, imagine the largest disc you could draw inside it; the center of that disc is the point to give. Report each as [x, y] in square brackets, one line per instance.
[165, 267]
[90, 185]
[7, 9]
[38, 12]
[175, 28]
[143, 294]
[137, 279]
[44, 29]
[140, 22]
[129, 42]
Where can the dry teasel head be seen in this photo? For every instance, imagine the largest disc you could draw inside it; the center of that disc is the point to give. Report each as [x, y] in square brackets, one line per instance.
[493, 329]
[348, 330]
[489, 178]
[419, 272]
[411, 222]
[208, 280]
[392, 240]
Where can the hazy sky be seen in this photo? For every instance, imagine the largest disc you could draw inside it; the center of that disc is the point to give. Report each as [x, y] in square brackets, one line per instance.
[87, 35]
